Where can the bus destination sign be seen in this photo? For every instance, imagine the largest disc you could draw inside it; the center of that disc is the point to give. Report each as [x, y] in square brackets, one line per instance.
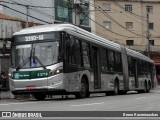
[36, 37]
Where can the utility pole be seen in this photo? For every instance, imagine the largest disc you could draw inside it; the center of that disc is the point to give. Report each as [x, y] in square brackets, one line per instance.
[76, 13]
[148, 36]
[27, 7]
[78, 6]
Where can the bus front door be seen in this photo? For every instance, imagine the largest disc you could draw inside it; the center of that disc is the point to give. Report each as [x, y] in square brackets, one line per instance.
[95, 66]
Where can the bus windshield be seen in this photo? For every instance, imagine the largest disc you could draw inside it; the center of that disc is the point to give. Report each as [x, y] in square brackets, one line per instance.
[24, 55]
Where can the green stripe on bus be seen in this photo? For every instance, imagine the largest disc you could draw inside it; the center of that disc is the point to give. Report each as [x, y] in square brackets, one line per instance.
[31, 74]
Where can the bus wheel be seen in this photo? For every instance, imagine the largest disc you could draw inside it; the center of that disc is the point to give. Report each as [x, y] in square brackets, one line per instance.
[40, 96]
[116, 88]
[84, 90]
[145, 88]
[149, 87]
[121, 92]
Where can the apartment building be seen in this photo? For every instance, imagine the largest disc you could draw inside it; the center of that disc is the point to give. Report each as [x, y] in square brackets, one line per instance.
[132, 23]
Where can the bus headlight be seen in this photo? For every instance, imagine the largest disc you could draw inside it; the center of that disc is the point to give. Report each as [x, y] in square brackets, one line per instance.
[55, 72]
[10, 74]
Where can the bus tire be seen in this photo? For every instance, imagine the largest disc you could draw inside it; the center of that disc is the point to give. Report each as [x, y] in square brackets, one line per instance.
[122, 92]
[108, 93]
[144, 89]
[84, 90]
[116, 88]
[148, 87]
[40, 96]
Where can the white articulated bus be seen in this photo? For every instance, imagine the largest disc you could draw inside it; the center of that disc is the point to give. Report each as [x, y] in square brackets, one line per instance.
[65, 59]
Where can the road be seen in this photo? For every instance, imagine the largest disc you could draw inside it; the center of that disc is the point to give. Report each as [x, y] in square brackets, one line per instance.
[97, 102]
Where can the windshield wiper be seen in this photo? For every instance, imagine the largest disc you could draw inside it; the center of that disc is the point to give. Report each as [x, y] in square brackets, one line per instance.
[35, 57]
[22, 64]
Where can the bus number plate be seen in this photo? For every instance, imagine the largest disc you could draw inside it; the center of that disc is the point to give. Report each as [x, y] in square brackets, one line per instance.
[30, 87]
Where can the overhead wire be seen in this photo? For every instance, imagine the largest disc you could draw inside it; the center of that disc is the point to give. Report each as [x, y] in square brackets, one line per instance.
[133, 14]
[112, 19]
[25, 14]
[17, 3]
[127, 16]
[130, 12]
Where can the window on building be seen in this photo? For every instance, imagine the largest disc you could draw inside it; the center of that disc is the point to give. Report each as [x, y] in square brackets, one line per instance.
[63, 10]
[107, 24]
[151, 42]
[128, 8]
[149, 9]
[129, 42]
[151, 26]
[129, 25]
[106, 6]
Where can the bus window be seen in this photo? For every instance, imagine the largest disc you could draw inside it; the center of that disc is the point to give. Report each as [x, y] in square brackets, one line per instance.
[104, 60]
[131, 66]
[77, 47]
[86, 55]
[118, 62]
[111, 60]
[70, 52]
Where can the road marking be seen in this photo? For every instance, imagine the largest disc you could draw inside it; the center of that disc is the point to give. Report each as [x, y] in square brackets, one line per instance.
[141, 98]
[18, 103]
[89, 104]
[158, 91]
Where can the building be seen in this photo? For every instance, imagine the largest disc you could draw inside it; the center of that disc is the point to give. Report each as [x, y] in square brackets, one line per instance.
[132, 23]
[66, 11]
[37, 10]
[44, 12]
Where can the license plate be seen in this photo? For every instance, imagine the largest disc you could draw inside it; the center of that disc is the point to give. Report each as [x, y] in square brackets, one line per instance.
[30, 87]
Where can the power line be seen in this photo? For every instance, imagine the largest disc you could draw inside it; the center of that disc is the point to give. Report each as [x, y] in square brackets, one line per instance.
[137, 16]
[108, 29]
[42, 12]
[25, 14]
[16, 3]
[107, 15]
[32, 8]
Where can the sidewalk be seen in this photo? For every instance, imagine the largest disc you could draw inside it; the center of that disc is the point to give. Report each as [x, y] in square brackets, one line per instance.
[6, 95]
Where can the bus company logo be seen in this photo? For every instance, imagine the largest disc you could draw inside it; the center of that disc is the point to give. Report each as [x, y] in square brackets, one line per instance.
[16, 75]
[6, 114]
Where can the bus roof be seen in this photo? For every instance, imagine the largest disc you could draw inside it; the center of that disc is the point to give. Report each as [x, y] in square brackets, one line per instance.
[76, 31]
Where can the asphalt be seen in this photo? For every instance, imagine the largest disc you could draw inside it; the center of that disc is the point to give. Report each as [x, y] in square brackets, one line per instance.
[6, 94]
